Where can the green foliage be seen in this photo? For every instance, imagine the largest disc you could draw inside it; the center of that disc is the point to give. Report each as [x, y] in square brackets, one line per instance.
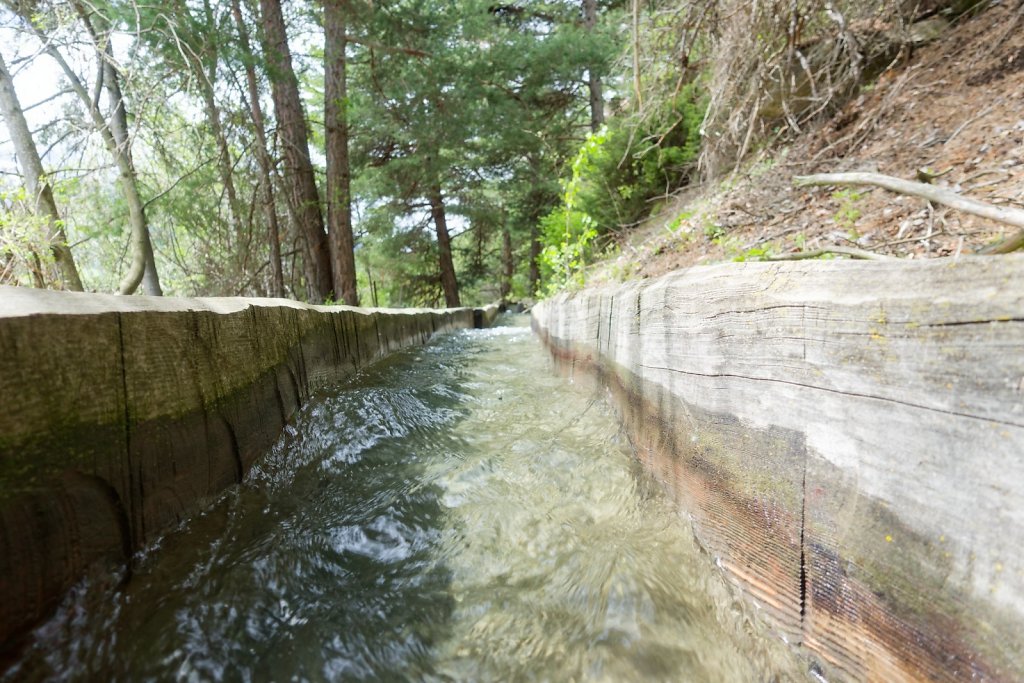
[488, 113]
[614, 175]
[677, 223]
[755, 254]
[632, 161]
[712, 230]
[568, 229]
[24, 240]
[567, 235]
[848, 213]
[483, 104]
[731, 245]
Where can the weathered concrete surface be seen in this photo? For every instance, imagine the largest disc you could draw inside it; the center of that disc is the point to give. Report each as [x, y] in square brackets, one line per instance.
[123, 415]
[847, 438]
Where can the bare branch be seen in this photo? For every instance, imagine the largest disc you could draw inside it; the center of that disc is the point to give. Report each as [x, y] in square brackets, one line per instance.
[387, 48]
[173, 185]
[817, 253]
[1010, 216]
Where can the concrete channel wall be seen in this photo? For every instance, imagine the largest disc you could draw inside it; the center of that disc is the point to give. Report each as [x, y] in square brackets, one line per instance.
[847, 439]
[121, 416]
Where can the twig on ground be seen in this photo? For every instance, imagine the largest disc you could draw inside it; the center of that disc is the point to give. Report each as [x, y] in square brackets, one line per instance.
[987, 183]
[984, 172]
[908, 240]
[768, 238]
[846, 251]
[931, 229]
[996, 199]
[968, 122]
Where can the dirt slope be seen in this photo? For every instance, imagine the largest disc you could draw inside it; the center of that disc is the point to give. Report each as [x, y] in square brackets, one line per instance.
[955, 108]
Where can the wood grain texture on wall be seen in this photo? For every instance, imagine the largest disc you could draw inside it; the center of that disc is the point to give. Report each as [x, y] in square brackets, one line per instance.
[122, 416]
[847, 438]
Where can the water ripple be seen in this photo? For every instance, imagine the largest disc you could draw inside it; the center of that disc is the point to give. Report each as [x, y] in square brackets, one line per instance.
[457, 512]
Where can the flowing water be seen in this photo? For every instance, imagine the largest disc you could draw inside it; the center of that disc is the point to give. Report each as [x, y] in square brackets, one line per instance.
[456, 513]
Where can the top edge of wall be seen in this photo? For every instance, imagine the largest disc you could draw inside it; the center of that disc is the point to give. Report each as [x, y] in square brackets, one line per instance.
[1006, 264]
[16, 302]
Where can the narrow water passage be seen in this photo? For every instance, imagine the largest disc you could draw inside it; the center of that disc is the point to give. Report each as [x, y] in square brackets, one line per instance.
[458, 513]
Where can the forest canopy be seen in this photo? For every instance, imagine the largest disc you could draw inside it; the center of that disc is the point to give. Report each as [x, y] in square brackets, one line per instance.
[389, 152]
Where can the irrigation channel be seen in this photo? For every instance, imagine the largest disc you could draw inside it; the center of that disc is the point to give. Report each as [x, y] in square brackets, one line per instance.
[458, 512]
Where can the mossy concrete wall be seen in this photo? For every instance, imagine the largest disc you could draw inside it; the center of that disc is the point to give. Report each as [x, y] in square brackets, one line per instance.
[123, 415]
[847, 439]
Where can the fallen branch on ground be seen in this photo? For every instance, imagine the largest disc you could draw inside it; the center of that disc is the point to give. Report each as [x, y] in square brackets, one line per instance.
[1009, 216]
[846, 251]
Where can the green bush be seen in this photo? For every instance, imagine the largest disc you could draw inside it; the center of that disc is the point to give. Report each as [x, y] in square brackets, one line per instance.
[640, 159]
[615, 174]
[566, 235]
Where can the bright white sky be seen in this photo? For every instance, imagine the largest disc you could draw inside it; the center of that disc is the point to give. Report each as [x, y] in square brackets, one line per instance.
[33, 81]
[37, 78]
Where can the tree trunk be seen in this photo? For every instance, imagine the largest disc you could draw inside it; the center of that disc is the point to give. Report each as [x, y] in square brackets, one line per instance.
[35, 179]
[206, 79]
[262, 156]
[298, 168]
[534, 277]
[373, 285]
[36, 267]
[339, 198]
[636, 56]
[115, 136]
[593, 76]
[142, 246]
[507, 265]
[224, 165]
[444, 247]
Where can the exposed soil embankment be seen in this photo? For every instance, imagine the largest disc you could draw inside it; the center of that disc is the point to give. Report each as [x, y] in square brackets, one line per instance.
[953, 109]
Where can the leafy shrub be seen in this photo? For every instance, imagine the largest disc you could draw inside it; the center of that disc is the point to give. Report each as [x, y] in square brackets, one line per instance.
[632, 161]
[566, 234]
[615, 174]
[25, 254]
